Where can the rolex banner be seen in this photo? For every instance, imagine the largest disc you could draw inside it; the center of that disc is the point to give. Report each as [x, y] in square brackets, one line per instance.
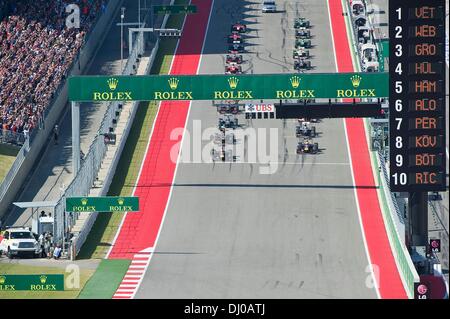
[102, 204]
[174, 9]
[53, 282]
[229, 87]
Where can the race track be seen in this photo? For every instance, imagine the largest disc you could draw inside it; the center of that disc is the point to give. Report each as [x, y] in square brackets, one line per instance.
[232, 232]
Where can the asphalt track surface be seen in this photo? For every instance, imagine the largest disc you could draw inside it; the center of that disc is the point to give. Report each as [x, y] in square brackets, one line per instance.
[231, 232]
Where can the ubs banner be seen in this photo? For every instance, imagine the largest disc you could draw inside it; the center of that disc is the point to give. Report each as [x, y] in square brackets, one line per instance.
[53, 282]
[417, 95]
[226, 87]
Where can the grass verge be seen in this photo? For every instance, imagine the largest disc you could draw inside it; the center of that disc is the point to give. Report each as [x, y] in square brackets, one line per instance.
[8, 154]
[16, 269]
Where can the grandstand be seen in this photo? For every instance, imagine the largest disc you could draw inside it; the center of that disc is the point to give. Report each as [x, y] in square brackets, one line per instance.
[36, 51]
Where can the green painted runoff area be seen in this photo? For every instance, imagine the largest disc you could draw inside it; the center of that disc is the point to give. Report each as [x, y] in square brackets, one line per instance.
[106, 279]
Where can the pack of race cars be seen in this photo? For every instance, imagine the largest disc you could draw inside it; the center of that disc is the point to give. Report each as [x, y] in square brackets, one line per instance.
[302, 44]
[304, 131]
[235, 42]
[228, 121]
[228, 110]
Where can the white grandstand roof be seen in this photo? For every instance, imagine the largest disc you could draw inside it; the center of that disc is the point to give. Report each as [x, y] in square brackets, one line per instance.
[35, 204]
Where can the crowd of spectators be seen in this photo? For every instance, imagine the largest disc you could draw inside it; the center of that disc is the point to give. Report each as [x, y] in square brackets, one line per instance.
[37, 50]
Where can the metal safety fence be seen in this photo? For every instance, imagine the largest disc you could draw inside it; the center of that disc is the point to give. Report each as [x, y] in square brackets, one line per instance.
[91, 163]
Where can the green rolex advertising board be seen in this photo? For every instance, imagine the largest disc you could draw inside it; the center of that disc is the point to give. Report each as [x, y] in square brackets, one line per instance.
[227, 87]
[102, 204]
[42, 282]
[174, 9]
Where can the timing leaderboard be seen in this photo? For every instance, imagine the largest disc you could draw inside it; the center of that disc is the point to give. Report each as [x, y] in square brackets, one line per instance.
[417, 95]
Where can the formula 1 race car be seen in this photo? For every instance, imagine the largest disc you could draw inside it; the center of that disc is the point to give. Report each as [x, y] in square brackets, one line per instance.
[235, 38]
[307, 146]
[239, 28]
[302, 33]
[233, 69]
[222, 155]
[235, 48]
[228, 121]
[300, 53]
[310, 120]
[302, 43]
[305, 129]
[306, 101]
[222, 138]
[228, 109]
[301, 23]
[302, 64]
[234, 58]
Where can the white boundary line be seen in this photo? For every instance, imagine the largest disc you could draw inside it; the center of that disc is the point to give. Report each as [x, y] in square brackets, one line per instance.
[351, 167]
